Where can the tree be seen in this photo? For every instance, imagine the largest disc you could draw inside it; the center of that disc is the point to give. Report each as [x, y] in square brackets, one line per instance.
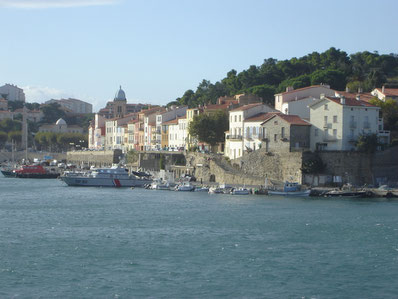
[335, 78]
[3, 139]
[389, 112]
[209, 128]
[52, 112]
[367, 143]
[15, 136]
[313, 165]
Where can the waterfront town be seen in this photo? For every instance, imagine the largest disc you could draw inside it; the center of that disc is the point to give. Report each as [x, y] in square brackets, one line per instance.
[312, 135]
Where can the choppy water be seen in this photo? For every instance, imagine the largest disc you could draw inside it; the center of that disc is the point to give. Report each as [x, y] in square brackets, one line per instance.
[65, 242]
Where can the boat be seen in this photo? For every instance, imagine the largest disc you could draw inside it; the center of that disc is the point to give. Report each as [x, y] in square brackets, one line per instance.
[202, 189]
[346, 193]
[160, 185]
[185, 187]
[35, 172]
[290, 189]
[216, 190]
[240, 191]
[8, 172]
[104, 177]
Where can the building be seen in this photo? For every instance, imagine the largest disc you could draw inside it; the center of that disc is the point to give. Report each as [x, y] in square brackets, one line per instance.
[163, 117]
[338, 122]
[12, 93]
[61, 127]
[385, 93]
[4, 114]
[235, 143]
[285, 133]
[3, 104]
[303, 97]
[96, 133]
[115, 131]
[177, 133]
[31, 115]
[73, 105]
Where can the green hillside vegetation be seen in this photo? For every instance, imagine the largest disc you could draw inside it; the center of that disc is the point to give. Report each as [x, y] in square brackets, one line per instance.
[364, 70]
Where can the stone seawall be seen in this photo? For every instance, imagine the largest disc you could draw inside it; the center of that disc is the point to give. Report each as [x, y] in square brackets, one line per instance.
[95, 158]
[18, 156]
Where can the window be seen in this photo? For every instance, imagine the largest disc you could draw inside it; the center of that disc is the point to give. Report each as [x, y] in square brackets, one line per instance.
[326, 107]
[334, 133]
[275, 137]
[316, 132]
[335, 118]
[283, 132]
[235, 118]
[240, 117]
[325, 118]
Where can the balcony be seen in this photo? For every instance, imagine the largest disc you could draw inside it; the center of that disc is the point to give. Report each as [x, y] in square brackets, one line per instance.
[234, 137]
[329, 139]
[327, 125]
[353, 124]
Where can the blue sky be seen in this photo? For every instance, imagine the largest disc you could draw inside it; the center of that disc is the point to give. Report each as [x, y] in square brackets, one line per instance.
[157, 49]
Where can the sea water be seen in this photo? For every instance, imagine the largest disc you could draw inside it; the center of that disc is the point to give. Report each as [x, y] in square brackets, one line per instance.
[74, 242]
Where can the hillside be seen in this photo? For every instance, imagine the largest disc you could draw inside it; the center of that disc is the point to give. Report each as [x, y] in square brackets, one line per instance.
[364, 70]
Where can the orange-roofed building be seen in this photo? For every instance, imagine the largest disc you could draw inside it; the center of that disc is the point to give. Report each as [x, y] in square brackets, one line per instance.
[385, 93]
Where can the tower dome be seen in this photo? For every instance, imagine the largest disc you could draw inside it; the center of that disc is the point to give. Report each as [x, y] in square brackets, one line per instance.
[60, 122]
[120, 95]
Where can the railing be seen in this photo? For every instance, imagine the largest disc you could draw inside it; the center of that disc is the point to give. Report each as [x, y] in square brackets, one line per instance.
[327, 125]
[329, 139]
[353, 124]
[234, 137]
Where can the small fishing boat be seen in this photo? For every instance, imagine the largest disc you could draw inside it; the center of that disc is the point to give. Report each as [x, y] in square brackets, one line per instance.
[240, 191]
[290, 189]
[202, 189]
[216, 190]
[185, 187]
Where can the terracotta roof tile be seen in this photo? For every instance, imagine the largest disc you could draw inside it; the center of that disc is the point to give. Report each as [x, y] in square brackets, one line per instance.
[351, 102]
[291, 119]
[300, 89]
[261, 116]
[389, 92]
[246, 107]
[171, 122]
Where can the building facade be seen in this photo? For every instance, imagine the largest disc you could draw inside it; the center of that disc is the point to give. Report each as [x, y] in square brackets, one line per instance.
[12, 93]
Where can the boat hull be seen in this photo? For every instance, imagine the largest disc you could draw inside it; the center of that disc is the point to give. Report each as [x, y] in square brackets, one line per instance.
[103, 182]
[8, 173]
[37, 175]
[290, 193]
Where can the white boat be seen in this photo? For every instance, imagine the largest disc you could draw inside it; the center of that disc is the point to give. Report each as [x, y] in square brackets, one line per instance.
[290, 189]
[240, 191]
[216, 190]
[104, 177]
[202, 189]
[160, 185]
[185, 187]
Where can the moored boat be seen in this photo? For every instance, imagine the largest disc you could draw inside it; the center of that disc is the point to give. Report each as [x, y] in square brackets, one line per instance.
[35, 172]
[290, 189]
[185, 187]
[104, 177]
[240, 191]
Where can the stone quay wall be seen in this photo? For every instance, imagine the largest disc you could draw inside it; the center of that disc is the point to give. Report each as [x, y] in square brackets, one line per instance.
[18, 156]
[94, 158]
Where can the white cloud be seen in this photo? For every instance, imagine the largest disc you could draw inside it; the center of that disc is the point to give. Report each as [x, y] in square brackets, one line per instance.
[32, 4]
[40, 94]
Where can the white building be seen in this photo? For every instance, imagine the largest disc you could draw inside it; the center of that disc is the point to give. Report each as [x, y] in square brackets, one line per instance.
[115, 131]
[12, 93]
[385, 93]
[96, 133]
[235, 143]
[178, 133]
[61, 127]
[164, 117]
[307, 94]
[73, 105]
[338, 122]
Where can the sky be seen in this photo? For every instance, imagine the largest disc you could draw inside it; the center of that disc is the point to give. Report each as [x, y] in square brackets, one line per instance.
[158, 49]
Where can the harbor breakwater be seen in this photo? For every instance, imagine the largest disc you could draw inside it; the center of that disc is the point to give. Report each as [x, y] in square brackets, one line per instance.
[253, 168]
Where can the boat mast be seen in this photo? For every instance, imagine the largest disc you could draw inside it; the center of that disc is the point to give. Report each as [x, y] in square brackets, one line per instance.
[25, 133]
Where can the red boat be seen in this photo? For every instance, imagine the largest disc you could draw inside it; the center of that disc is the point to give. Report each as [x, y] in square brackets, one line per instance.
[34, 172]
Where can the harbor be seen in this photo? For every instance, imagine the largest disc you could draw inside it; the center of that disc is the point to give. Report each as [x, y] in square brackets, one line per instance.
[60, 241]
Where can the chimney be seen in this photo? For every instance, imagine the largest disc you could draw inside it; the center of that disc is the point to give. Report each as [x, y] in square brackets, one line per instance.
[342, 100]
[289, 88]
[358, 97]
[347, 89]
[382, 89]
[322, 96]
